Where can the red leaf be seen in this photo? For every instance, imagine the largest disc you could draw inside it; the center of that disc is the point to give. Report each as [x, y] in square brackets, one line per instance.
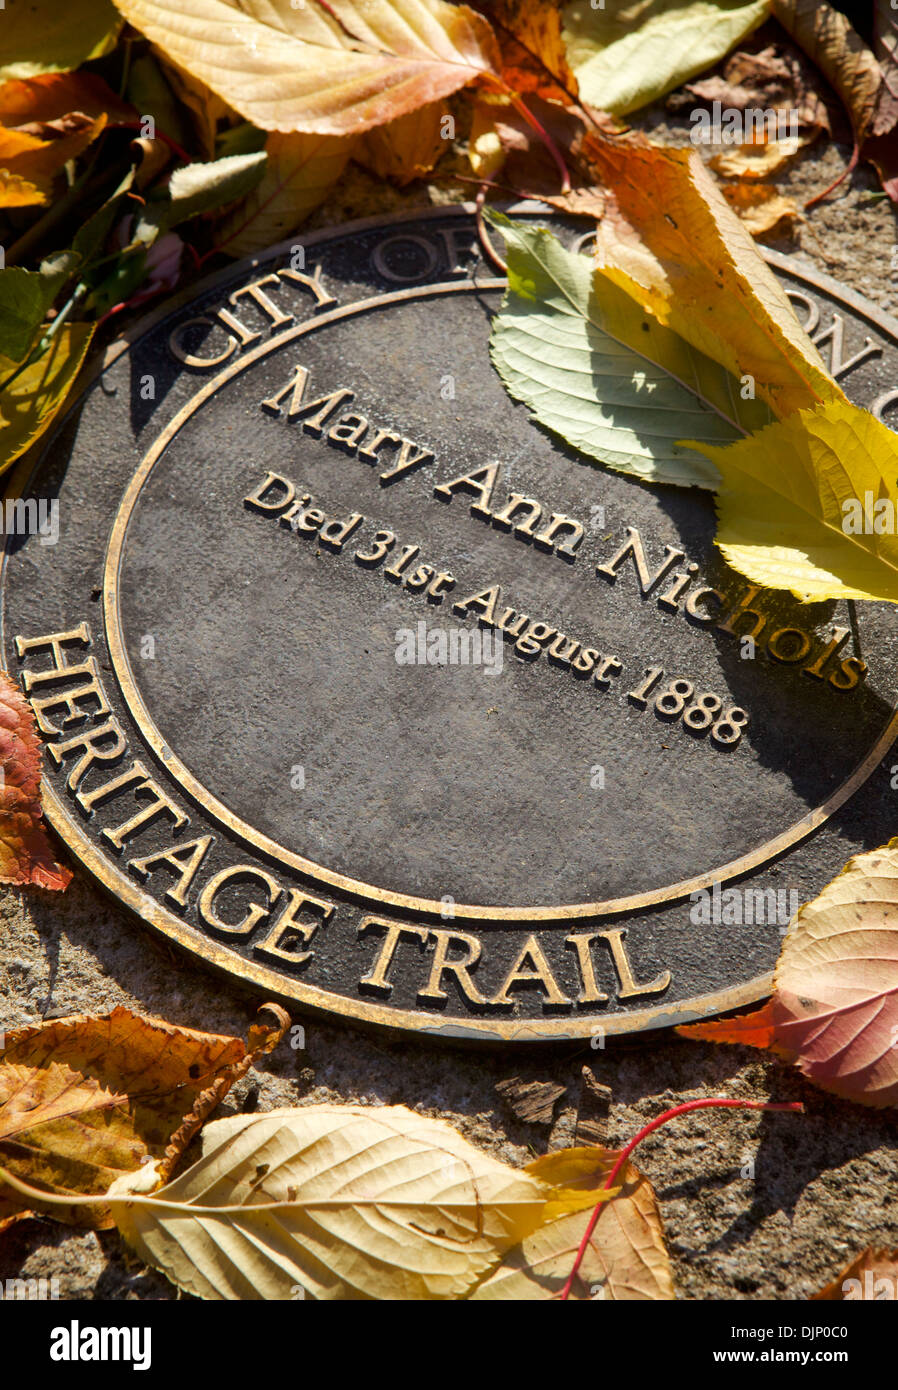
[26, 855]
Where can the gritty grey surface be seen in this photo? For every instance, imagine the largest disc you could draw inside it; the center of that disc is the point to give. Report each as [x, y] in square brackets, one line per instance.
[754, 1206]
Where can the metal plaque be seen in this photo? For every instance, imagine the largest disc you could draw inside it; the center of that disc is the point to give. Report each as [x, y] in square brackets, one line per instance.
[362, 687]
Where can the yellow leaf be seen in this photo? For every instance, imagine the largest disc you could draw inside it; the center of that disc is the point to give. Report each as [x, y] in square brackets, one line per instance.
[670, 240]
[337, 1201]
[335, 68]
[626, 1258]
[299, 174]
[406, 148]
[54, 35]
[30, 404]
[808, 504]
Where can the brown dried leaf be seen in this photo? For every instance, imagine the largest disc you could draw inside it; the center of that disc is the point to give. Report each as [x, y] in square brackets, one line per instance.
[829, 40]
[762, 208]
[756, 161]
[772, 78]
[87, 1098]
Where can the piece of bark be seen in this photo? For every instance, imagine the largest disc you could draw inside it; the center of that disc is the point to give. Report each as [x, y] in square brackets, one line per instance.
[531, 1101]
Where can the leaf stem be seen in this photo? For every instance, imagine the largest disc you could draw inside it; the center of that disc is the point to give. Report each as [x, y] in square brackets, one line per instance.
[38, 351]
[624, 1154]
[523, 109]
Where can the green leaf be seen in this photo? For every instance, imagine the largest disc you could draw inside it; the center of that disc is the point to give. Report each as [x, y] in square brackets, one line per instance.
[25, 297]
[54, 35]
[199, 188]
[608, 378]
[625, 56]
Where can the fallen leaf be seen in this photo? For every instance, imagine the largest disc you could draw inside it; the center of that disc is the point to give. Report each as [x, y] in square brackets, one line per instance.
[407, 148]
[54, 35]
[756, 161]
[881, 146]
[625, 57]
[829, 40]
[29, 406]
[195, 189]
[299, 173]
[535, 28]
[791, 504]
[333, 1201]
[834, 1010]
[608, 378]
[26, 855]
[774, 77]
[626, 1258]
[35, 160]
[330, 68]
[204, 107]
[872, 1275]
[25, 297]
[531, 1101]
[54, 95]
[762, 209]
[87, 1098]
[670, 240]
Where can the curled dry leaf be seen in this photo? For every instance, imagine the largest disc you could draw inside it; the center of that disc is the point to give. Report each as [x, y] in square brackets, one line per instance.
[834, 1010]
[333, 1201]
[26, 855]
[829, 40]
[770, 78]
[626, 1258]
[756, 161]
[762, 208]
[330, 67]
[87, 1098]
[670, 240]
[870, 1276]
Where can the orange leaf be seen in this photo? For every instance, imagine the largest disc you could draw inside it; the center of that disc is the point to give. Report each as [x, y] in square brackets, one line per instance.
[55, 94]
[30, 158]
[834, 1011]
[25, 852]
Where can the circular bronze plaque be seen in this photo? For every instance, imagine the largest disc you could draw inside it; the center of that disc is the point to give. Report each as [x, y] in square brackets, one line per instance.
[361, 686]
